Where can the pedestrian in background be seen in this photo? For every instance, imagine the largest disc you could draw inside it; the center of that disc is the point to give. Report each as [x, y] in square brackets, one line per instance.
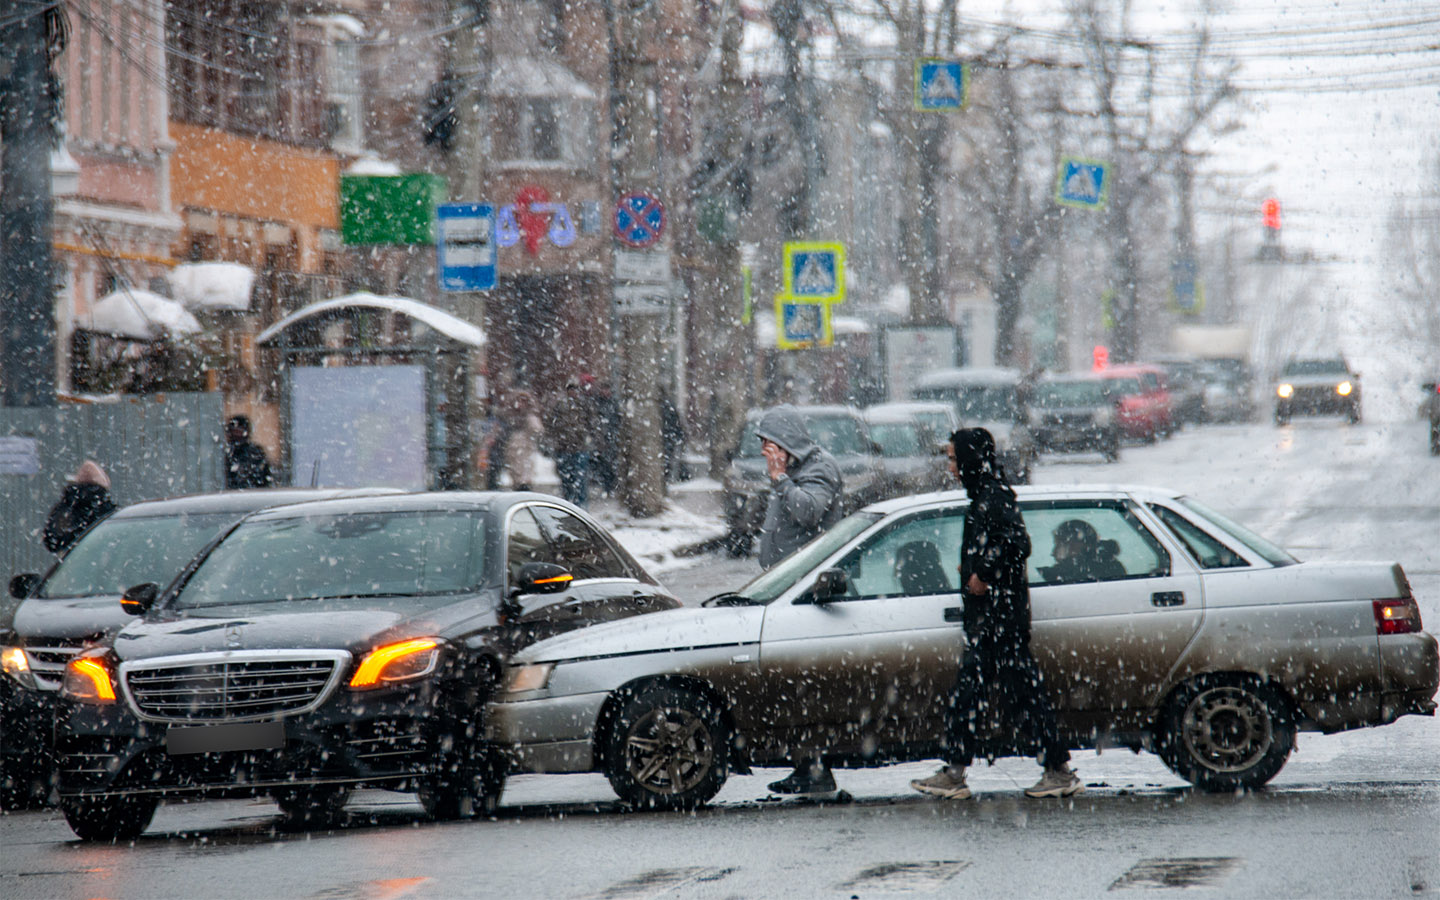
[493, 445]
[85, 501]
[246, 465]
[805, 499]
[606, 449]
[997, 661]
[569, 423]
[524, 442]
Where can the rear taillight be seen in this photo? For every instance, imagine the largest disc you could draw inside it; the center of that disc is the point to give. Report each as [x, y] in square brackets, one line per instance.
[1399, 616]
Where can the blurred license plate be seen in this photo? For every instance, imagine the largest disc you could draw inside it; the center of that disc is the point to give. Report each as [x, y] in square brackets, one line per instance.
[224, 738]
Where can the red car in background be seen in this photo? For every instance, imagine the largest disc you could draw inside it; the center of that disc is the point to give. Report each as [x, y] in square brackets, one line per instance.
[1144, 409]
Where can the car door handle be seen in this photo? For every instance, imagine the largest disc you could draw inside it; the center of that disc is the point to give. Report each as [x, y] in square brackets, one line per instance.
[1167, 598]
[952, 614]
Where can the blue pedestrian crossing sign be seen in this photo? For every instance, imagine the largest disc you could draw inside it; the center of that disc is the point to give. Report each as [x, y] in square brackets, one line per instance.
[1082, 183]
[814, 271]
[801, 324]
[941, 85]
[465, 246]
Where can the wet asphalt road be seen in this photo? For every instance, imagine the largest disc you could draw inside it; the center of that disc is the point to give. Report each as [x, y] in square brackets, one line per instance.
[1351, 815]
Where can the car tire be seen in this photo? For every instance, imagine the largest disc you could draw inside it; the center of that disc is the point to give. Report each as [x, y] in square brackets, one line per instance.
[1226, 733]
[317, 806]
[1111, 451]
[469, 789]
[667, 748]
[1435, 440]
[110, 818]
[1353, 416]
[1282, 418]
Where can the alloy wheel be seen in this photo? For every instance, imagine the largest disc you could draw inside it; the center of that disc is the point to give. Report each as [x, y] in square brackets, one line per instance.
[669, 751]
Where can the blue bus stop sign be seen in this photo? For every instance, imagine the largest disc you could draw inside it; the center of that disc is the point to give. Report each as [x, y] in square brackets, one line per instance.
[465, 246]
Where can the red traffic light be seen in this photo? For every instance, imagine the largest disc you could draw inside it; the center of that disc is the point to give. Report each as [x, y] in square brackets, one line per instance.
[1270, 213]
[1101, 355]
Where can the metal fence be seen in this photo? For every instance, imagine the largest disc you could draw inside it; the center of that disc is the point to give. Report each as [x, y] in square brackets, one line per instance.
[161, 445]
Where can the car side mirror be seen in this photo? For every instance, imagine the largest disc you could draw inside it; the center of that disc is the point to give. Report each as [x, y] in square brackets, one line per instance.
[829, 584]
[1428, 387]
[541, 578]
[876, 449]
[138, 599]
[21, 586]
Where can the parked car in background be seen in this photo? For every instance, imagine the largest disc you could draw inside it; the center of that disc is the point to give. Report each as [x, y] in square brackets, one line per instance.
[325, 646]
[1196, 612]
[1228, 391]
[914, 460]
[1317, 387]
[993, 399]
[1143, 406]
[839, 429]
[1431, 411]
[1076, 414]
[1185, 381]
[937, 415]
[77, 603]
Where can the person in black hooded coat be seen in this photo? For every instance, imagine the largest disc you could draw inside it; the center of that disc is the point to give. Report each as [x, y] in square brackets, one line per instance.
[996, 617]
[85, 501]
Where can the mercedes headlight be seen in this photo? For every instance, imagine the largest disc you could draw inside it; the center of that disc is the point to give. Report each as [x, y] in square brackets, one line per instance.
[394, 663]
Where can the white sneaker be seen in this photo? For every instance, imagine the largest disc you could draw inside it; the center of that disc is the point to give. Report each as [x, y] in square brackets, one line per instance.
[944, 784]
[1059, 782]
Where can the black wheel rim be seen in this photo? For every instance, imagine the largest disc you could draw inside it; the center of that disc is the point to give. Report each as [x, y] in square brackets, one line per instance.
[1227, 729]
[669, 751]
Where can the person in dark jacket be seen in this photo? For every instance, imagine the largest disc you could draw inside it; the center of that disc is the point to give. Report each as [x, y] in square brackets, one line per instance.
[805, 499]
[997, 662]
[569, 426]
[246, 465]
[1081, 556]
[85, 501]
[805, 485]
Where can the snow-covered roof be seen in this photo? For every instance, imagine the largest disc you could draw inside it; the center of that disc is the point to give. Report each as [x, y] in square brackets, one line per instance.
[533, 76]
[369, 163]
[139, 315]
[453, 327]
[212, 285]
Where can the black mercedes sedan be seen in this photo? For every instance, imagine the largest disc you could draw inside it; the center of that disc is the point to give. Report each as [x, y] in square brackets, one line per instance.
[331, 645]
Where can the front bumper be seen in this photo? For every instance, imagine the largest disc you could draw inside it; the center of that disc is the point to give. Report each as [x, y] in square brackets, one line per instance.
[548, 734]
[1317, 401]
[383, 740]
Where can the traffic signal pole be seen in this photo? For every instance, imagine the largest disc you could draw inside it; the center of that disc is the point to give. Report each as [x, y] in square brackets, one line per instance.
[27, 300]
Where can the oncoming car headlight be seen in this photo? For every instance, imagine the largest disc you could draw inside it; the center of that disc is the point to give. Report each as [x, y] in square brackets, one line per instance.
[89, 678]
[393, 663]
[528, 678]
[1286, 391]
[16, 664]
[1344, 388]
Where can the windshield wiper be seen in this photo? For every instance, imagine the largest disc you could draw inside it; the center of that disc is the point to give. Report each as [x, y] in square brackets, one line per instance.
[730, 598]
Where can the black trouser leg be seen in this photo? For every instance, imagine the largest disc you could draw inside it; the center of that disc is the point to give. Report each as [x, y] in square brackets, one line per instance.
[1024, 704]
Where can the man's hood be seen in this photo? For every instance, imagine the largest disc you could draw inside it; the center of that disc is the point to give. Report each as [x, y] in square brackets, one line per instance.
[785, 426]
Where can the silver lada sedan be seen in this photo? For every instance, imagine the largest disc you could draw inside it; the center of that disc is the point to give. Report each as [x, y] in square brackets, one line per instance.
[1203, 642]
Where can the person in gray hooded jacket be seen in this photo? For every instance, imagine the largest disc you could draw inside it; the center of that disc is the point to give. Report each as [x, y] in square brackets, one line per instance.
[805, 485]
[805, 499]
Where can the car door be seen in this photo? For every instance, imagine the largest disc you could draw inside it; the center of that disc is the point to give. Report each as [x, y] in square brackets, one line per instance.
[1106, 646]
[869, 668]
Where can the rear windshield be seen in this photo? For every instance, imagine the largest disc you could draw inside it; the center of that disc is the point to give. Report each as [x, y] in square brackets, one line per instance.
[1049, 395]
[1266, 550]
[1316, 367]
[1125, 387]
[306, 560]
[841, 435]
[897, 438]
[983, 403]
[121, 553]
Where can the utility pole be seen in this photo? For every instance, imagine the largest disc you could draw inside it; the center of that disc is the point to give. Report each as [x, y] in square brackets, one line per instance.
[634, 167]
[27, 298]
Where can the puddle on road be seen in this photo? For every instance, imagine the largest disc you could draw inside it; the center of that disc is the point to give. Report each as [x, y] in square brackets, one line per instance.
[658, 881]
[907, 876]
[1183, 872]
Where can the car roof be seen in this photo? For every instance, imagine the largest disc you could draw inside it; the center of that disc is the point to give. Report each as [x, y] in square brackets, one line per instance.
[891, 416]
[1132, 369]
[1027, 492]
[967, 375]
[911, 407]
[239, 502]
[814, 409]
[1050, 377]
[420, 501]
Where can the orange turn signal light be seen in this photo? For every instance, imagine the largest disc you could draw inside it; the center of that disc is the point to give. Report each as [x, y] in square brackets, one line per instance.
[557, 579]
[372, 668]
[97, 674]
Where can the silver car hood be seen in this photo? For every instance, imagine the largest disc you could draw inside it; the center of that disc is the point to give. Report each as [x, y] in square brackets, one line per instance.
[671, 629]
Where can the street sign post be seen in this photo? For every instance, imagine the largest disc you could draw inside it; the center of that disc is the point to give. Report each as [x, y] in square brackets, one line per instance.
[641, 299]
[801, 324]
[814, 271]
[1082, 183]
[941, 85]
[1186, 293]
[639, 220]
[465, 246]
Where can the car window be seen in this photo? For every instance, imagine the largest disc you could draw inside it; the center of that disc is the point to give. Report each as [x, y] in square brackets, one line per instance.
[916, 557]
[1316, 367]
[782, 576]
[1263, 548]
[1126, 387]
[331, 556]
[525, 542]
[1114, 544]
[121, 553]
[937, 423]
[841, 435]
[1054, 394]
[1206, 550]
[1150, 381]
[897, 438]
[578, 547]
